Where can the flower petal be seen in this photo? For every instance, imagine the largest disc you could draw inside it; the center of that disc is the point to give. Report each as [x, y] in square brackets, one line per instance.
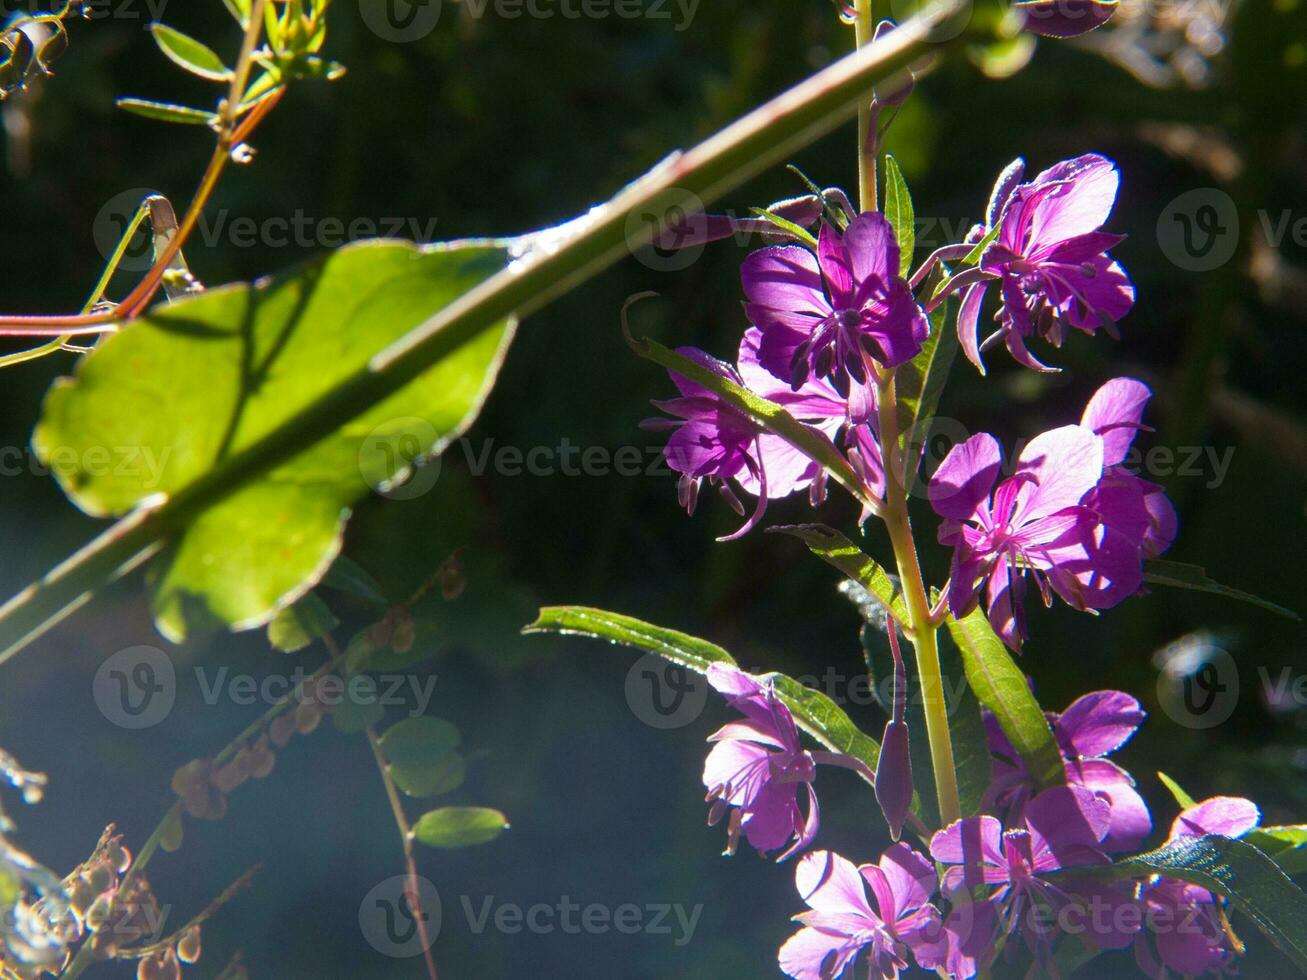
[1098, 723]
[961, 486]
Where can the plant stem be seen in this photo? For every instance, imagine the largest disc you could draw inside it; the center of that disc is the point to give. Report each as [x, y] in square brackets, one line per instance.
[410, 862]
[920, 629]
[864, 28]
[724, 161]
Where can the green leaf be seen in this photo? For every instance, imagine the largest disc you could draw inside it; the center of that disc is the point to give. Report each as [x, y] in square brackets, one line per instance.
[1001, 686]
[920, 384]
[240, 11]
[1286, 846]
[1181, 576]
[767, 414]
[459, 826]
[787, 226]
[972, 257]
[298, 625]
[358, 710]
[234, 364]
[1182, 798]
[898, 211]
[167, 112]
[195, 56]
[680, 648]
[346, 575]
[813, 711]
[1239, 871]
[837, 550]
[417, 743]
[443, 776]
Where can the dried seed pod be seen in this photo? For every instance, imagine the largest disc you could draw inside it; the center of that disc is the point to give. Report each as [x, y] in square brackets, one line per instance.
[260, 759]
[226, 778]
[99, 877]
[404, 634]
[307, 717]
[98, 914]
[171, 837]
[281, 730]
[188, 947]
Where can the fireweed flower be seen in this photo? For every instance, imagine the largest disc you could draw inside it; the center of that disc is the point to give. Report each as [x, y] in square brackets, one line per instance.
[714, 442]
[1061, 828]
[756, 766]
[1092, 728]
[1034, 522]
[1050, 258]
[1135, 506]
[1186, 934]
[844, 921]
[834, 313]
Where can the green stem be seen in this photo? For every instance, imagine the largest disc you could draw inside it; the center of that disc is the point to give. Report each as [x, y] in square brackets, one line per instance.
[864, 28]
[724, 161]
[920, 629]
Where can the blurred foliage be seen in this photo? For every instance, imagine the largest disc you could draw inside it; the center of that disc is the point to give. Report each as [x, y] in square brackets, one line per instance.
[492, 126]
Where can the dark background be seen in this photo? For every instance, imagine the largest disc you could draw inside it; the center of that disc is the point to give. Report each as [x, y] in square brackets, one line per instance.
[497, 126]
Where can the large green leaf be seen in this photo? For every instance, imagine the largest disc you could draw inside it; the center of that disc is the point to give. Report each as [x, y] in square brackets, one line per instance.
[813, 711]
[1178, 575]
[1000, 686]
[1237, 870]
[160, 404]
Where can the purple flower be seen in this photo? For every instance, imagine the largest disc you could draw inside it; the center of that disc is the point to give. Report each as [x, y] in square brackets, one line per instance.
[844, 921]
[1186, 933]
[757, 765]
[1093, 727]
[1060, 828]
[1065, 18]
[717, 443]
[1034, 522]
[1050, 258]
[1138, 508]
[831, 314]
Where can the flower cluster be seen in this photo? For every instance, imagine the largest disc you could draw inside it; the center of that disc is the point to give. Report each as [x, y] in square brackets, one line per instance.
[1020, 874]
[833, 316]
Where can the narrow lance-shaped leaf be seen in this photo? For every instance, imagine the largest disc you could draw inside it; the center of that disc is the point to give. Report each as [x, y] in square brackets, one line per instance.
[772, 417]
[920, 384]
[1001, 686]
[1236, 869]
[1178, 575]
[899, 213]
[195, 56]
[837, 550]
[167, 112]
[814, 712]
